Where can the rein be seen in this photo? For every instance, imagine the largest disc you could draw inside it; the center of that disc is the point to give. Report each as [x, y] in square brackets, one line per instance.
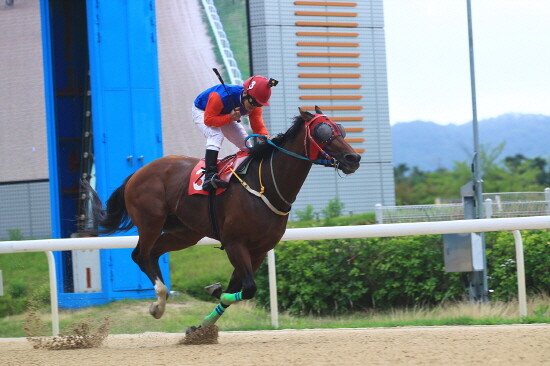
[325, 162]
[330, 162]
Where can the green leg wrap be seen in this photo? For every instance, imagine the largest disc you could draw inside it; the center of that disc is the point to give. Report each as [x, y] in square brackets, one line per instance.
[213, 317]
[229, 299]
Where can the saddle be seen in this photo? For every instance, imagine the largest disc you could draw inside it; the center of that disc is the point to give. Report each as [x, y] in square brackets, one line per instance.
[238, 162]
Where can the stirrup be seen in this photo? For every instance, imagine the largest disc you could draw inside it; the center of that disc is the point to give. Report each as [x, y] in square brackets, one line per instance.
[213, 184]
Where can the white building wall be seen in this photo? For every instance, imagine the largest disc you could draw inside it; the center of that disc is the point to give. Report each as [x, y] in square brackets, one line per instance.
[23, 149]
[186, 58]
[285, 41]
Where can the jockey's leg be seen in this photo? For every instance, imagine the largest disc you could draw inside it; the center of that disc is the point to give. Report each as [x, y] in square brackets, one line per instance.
[235, 133]
[211, 181]
[214, 139]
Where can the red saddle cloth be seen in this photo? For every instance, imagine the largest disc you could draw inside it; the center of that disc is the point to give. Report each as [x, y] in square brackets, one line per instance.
[224, 165]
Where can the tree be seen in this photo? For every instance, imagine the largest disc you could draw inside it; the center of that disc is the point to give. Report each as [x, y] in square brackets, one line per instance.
[512, 174]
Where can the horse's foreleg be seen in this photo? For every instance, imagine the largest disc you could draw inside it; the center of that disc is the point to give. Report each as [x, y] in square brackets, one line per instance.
[238, 281]
[226, 299]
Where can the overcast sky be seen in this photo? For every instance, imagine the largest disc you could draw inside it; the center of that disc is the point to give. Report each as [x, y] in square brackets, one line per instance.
[428, 61]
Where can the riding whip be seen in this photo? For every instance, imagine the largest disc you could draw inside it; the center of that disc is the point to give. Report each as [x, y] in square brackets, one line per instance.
[224, 87]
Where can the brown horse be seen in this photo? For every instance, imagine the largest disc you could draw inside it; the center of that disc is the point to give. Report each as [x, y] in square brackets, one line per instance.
[155, 200]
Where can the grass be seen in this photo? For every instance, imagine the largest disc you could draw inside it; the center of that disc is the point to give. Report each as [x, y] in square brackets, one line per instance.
[131, 316]
[193, 268]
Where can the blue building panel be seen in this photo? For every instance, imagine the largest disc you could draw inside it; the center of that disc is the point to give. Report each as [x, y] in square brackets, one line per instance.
[117, 46]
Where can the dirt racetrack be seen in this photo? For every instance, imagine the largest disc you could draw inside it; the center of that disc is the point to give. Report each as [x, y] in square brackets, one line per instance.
[455, 345]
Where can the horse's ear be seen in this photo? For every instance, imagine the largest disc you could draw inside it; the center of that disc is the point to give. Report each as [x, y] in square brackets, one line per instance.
[305, 115]
[318, 110]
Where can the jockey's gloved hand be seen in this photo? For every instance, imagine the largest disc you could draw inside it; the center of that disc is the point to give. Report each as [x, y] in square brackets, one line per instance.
[261, 140]
[235, 114]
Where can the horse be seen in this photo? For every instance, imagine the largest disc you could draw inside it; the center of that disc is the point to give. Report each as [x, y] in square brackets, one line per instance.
[155, 200]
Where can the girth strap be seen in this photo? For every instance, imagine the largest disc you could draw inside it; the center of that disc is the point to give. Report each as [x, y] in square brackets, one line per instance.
[213, 218]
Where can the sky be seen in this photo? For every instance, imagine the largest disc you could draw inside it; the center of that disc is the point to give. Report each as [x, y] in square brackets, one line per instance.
[428, 64]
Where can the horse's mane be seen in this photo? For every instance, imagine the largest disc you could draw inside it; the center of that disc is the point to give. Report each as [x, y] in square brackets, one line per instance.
[263, 149]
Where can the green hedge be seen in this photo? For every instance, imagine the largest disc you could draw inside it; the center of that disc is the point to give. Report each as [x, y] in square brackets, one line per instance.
[501, 258]
[334, 276]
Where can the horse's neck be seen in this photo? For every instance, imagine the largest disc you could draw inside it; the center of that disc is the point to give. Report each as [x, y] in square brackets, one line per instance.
[290, 172]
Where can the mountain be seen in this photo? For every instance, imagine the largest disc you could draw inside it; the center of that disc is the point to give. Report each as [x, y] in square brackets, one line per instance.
[430, 146]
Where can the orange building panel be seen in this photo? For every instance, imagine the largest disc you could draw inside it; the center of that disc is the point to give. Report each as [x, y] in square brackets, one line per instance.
[356, 139]
[353, 129]
[329, 64]
[353, 76]
[330, 97]
[324, 3]
[350, 119]
[334, 108]
[327, 54]
[329, 86]
[324, 14]
[327, 44]
[327, 24]
[327, 34]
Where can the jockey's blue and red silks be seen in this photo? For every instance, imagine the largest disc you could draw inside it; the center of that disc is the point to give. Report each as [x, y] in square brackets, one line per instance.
[230, 101]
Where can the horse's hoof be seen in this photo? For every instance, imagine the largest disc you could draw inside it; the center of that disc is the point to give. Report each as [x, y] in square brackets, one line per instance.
[201, 335]
[214, 290]
[155, 311]
[191, 329]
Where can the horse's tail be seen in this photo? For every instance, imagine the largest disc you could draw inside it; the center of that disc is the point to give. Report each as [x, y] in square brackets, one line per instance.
[115, 217]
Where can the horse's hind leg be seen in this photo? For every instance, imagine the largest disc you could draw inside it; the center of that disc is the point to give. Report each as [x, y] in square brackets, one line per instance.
[149, 265]
[164, 243]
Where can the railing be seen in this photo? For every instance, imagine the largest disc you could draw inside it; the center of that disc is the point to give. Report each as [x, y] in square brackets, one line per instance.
[496, 205]
[224, 47]
[318, 233]
[419, 213]
[222, 42]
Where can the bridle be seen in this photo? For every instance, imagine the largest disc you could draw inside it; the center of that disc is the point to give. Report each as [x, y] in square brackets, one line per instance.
[320, 132]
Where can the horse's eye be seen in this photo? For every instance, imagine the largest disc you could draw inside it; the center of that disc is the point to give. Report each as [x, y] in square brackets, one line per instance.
[342, 130]
[322, 132]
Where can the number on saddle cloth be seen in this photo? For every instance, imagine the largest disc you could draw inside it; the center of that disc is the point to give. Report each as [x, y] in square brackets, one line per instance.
[235, 161]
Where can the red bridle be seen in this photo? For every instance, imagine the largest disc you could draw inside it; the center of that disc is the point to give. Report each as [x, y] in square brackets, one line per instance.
[312, 146]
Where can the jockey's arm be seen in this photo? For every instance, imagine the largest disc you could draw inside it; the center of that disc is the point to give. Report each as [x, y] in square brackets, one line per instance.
[257, 122]
[213, 110]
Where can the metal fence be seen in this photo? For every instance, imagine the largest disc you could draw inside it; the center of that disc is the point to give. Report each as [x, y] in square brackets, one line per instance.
[25, 210]
[495, 205]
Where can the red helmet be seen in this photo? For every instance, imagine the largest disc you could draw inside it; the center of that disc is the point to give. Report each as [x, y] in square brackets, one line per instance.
[259, 88]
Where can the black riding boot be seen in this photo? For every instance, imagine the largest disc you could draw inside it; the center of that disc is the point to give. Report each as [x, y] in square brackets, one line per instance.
[211, 180]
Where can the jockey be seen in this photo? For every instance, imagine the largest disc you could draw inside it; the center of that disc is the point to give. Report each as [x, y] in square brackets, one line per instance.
[217, 112]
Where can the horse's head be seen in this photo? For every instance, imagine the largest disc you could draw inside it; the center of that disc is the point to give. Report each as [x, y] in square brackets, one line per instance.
[324, 137]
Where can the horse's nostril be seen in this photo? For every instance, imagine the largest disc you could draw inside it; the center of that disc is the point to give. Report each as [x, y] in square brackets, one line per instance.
[353, 158]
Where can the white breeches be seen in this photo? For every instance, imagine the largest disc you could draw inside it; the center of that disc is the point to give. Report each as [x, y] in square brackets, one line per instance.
[233, 131]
